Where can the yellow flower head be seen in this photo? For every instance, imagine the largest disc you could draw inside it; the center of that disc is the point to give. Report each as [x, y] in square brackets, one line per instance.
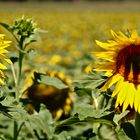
[122, 66]
[3, 45]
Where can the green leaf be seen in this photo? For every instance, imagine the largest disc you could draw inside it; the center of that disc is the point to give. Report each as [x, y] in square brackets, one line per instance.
[91, 81]
[95, 138]
[82, 91]
[31, 39]
[38, 124]
[137, 124]
[5, 110]
[107, 132]
[74, 120]
[121, 134]
[6, 26]
[85, 110]
[118, 117]
[100, 120]
[31, 52]
[60, 126]
[53, 81]
[129, 130]
[62, 136]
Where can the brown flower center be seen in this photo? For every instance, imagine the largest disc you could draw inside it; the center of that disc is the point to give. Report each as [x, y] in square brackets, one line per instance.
[128, 63]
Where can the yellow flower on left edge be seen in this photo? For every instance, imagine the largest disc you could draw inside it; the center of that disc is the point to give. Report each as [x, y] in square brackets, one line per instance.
[3, 45]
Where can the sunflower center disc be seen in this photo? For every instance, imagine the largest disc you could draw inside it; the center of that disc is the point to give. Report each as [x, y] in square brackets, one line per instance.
[128, 64]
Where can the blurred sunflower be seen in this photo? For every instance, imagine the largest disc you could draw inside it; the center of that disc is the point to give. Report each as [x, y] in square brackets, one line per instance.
[58, 101]
[3, 44]
[55, 60]
[121, 63]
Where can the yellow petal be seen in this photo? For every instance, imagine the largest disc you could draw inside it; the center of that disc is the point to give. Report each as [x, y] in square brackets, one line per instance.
[109, 55]
[3, 57]
[104, 66]
[122, 94]
[8, 61]
[129, 92]
[2, 74]
[117, 88]
[109, 73]
[112, 80]
[123, 35]
[3, 51]
[119, 37]
[1, 81]
[139, 109]
[3, 46]
[2, 66]
[106, 46]
[134, 34]
[132, 93]
[1, 36]
[137, 98]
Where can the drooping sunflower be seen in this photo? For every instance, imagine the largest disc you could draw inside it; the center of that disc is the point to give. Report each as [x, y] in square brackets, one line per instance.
[3, 45]
[121, 62]
[58, 101]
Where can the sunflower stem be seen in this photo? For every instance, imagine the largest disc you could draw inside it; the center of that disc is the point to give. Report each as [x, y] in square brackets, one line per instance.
[137, 125]
[17, 130]
[21, 56]
[20, 67]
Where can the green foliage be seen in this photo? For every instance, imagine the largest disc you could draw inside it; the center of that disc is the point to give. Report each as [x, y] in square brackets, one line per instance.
[45, 79]
[91, 81]
[93, 115]
[99, 109]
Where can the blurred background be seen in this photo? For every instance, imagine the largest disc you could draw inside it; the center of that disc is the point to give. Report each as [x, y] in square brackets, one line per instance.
[71, 28]
[66, 0]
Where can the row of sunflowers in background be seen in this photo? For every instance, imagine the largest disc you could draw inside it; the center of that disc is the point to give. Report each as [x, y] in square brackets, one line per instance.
[45, 97]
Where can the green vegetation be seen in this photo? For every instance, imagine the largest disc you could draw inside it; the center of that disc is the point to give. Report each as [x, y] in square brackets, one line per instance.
[62, 0]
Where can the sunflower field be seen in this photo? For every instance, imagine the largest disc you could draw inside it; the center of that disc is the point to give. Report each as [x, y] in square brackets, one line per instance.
[69, 72]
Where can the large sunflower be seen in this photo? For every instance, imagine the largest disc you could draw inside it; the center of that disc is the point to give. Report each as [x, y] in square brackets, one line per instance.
[3, 45]
[121, 63]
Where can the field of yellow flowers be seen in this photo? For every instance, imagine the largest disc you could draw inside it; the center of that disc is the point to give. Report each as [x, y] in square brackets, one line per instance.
[53, 69]
[72, 30]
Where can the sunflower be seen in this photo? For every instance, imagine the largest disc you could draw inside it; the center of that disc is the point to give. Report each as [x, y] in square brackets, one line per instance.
[3, 45]
[121, 62]
[58, 101]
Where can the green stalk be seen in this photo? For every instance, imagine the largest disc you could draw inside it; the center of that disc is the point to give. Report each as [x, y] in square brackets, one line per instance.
[21, 55]
[137, 125]
[20, 67]
[16, 130]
